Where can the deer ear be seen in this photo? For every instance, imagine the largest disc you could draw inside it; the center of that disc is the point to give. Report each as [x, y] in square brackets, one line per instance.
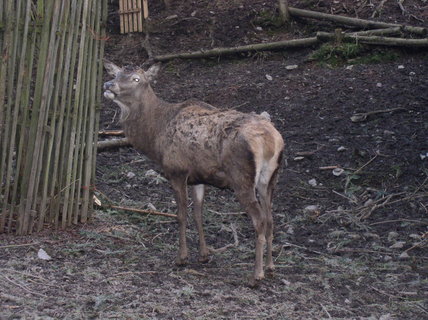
[152, 72]
[111, 68]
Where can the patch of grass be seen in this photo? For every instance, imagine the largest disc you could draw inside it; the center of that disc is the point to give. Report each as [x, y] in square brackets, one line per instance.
[336, 55]
[351, 53]
[268, 20]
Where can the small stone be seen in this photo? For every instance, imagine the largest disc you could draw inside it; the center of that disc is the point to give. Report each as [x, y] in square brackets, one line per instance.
[286, 282]
[151, 206]
[415, 236]
[291, 67]
[368, 203]
[412, 73]
[379, 85]
[398, 245]
[313, 182]
[269, 77]
[338, 172]
[42, 254]
[404, 255]
[387, 316]
[298, 158]
[392, 235]
[371, 235]
[350, 67]
[290, 230]
[266, 115]
[400, 66]
[193, 13]
[130, 175]
[311, 208]
[341, 149]
[259, 28]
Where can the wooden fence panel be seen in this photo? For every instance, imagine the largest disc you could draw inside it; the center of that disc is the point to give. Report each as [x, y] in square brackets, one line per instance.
[50, 77]
[131, 14]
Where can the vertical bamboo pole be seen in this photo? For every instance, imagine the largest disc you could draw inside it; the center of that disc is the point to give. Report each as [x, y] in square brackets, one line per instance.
[146, 9]
[6, 52]
[67, 149]
[8, 145]
[135, 15]
[121, 17]
[90, 115]
[17, 106]
[25, 110]
[97, 89]
[42, 99]
[84, 117]
[49, 154]
[77, 125]
[125, 16]
[139, 16]
[61, 131]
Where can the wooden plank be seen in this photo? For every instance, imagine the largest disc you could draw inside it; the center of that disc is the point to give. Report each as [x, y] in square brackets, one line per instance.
[146, 8]
[121, 18]
[135, 16]
[125, 16]
[140, 16]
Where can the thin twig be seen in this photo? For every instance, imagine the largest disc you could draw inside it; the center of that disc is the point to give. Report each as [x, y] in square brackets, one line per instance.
[23, 287]
[398, 220]
[18, 245]
[141, 211]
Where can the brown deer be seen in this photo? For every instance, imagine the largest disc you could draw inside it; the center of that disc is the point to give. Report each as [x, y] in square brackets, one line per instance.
[197, 144]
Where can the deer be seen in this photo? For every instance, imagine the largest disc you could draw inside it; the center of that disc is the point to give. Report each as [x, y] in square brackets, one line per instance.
[197, 144]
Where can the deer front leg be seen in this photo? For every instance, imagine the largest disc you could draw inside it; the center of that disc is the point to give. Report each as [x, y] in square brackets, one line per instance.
[198, 199]
[180, 187]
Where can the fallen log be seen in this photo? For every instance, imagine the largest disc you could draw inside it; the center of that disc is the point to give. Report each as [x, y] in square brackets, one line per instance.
[115, 143]
[375, 40]
[395, 31]
[368, 24]
[295, 43]
[110, 133]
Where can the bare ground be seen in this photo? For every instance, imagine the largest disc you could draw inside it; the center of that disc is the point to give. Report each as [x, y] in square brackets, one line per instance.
[352, 246]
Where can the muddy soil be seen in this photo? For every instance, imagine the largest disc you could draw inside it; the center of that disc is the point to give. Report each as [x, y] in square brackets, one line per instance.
[351, 205]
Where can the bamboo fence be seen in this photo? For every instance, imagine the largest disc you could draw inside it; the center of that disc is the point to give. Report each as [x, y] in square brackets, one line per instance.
[131, 14]
[50, 74]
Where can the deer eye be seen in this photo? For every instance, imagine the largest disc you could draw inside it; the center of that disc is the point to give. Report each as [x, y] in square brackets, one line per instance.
[136, 79]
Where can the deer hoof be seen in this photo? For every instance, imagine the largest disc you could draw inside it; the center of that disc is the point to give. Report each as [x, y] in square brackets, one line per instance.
[181, 261]
[270, 271]
[204, 259]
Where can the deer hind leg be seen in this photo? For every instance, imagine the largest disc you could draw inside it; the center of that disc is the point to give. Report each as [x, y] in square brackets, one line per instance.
[179, 186]
[248, 200]
[265, 184]
[198, 201]
[264, 193]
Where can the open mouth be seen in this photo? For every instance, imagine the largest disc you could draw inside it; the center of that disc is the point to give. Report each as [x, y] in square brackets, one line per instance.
[109, 94]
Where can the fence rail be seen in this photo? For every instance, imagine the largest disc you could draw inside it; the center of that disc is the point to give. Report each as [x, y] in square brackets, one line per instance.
[50, 75]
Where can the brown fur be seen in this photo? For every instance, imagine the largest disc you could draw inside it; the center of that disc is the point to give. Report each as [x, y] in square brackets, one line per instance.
[198, 144]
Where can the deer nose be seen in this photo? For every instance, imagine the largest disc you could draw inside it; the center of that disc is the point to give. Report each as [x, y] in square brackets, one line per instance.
[108, 84]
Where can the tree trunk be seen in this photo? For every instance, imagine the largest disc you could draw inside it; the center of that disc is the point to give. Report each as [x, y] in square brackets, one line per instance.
[115, 143]
[353, 21]
[248, 48]
[385, 41]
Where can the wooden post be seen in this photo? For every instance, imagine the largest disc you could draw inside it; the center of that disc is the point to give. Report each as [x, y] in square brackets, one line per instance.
[283, 11]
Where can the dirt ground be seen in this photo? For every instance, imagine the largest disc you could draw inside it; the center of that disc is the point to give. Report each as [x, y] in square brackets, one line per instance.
[350, 208]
